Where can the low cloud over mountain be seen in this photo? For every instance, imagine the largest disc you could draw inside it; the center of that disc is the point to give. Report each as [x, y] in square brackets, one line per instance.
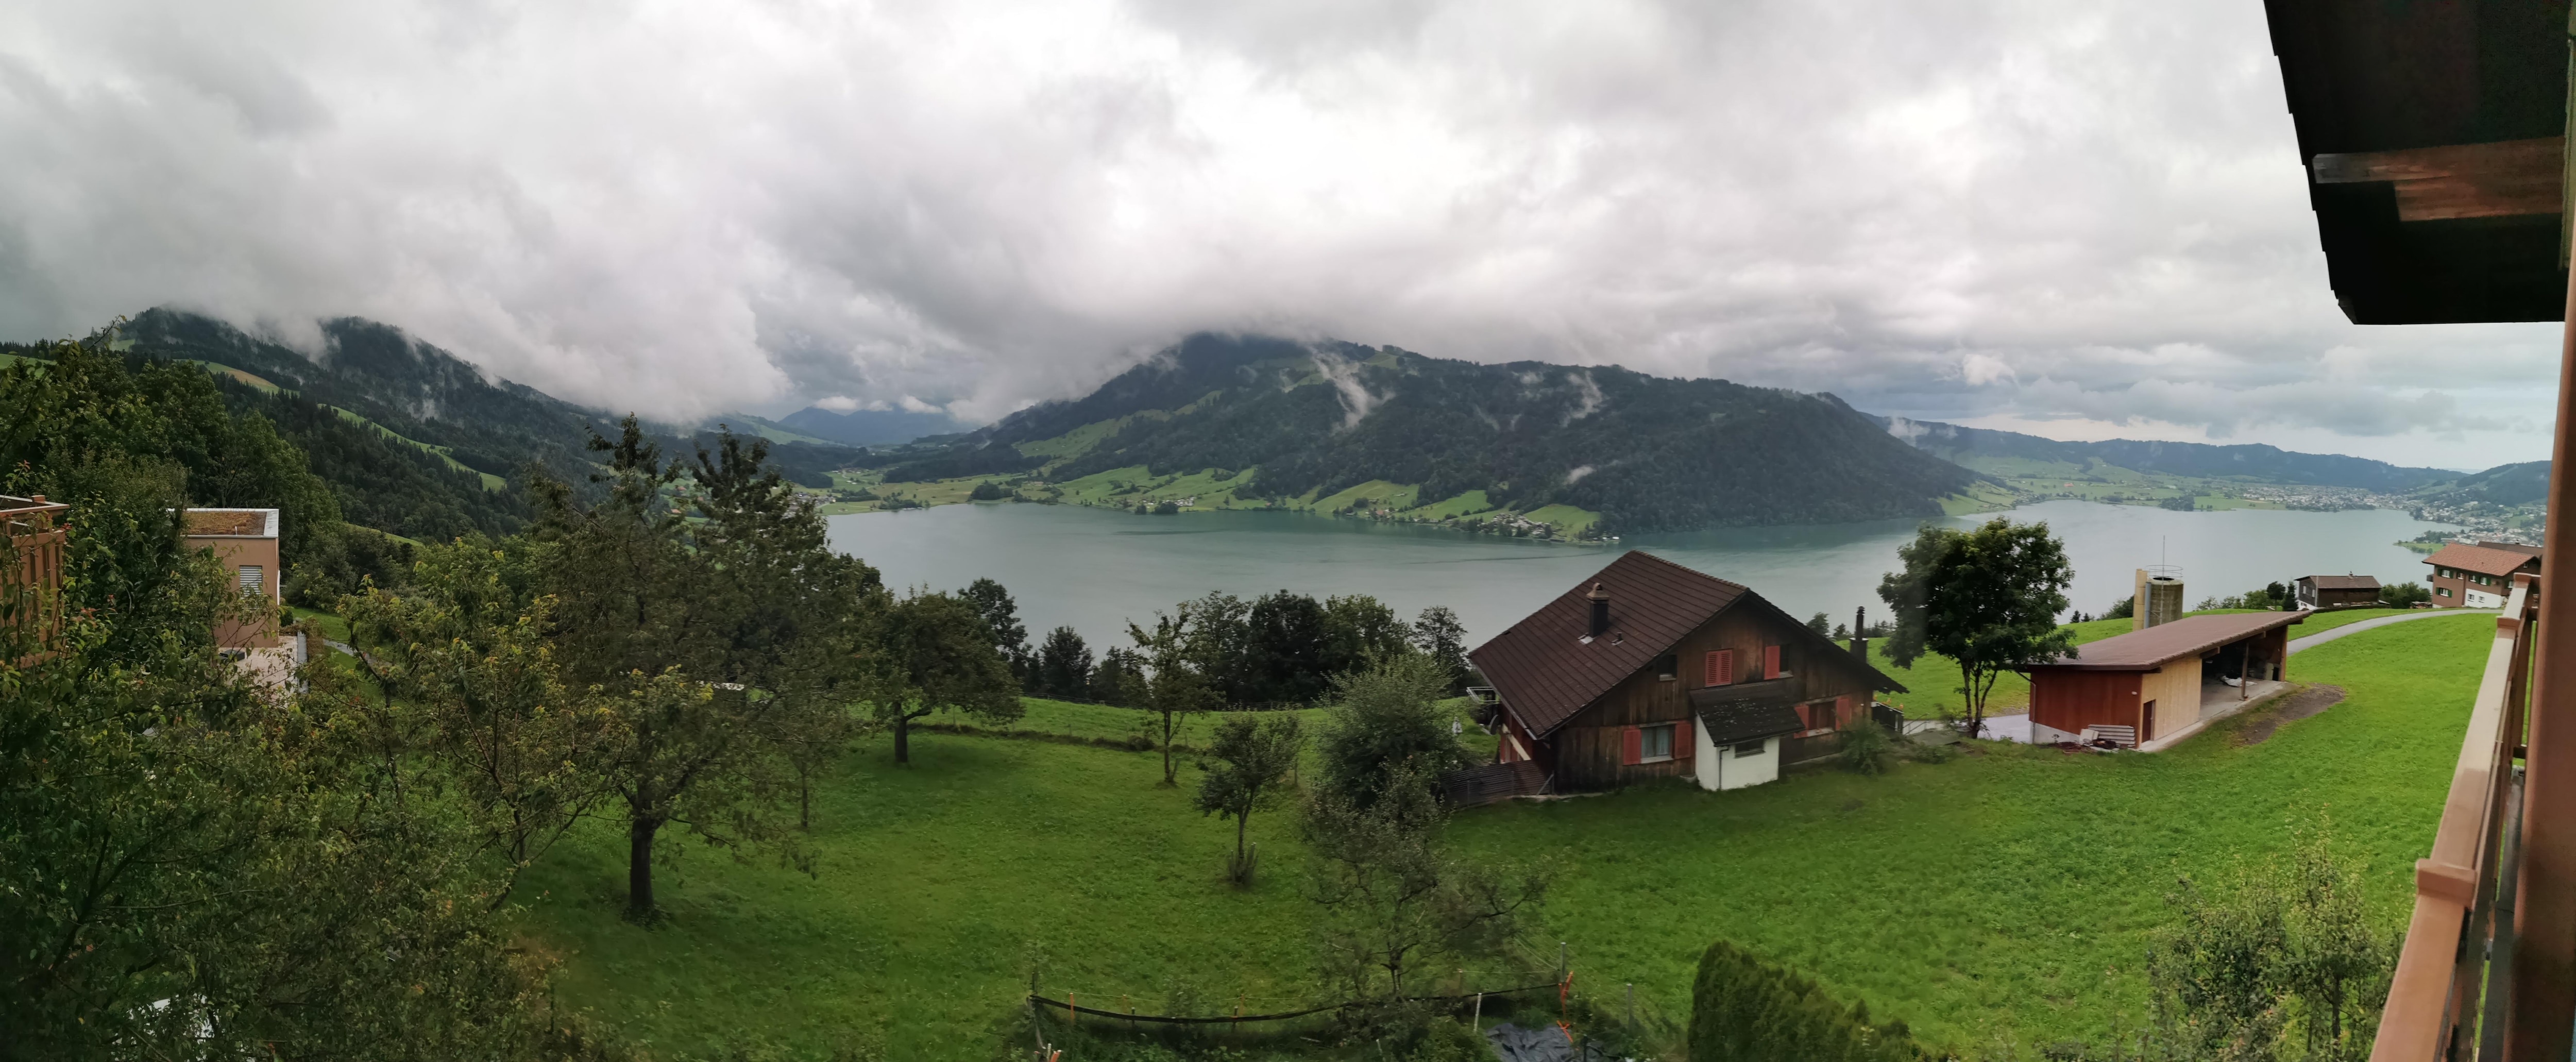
[2074, 219]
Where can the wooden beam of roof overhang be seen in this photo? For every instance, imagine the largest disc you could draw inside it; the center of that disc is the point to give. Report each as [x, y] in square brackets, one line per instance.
[2434, 134]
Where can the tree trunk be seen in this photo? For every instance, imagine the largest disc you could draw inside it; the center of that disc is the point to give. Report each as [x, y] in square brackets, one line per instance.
[639, 869]
[1167, 748]
[902, 738]
[1242, 871]
[805, 804]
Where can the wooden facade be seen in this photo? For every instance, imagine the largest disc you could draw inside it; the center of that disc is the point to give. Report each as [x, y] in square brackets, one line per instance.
[1827, 686]
[1623, 679]
[35, 536]
[2152, 681]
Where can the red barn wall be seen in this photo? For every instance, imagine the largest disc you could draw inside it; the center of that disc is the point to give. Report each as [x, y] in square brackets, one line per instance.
[2071, 700]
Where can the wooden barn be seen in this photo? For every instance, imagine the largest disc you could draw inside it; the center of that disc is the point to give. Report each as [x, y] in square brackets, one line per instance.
[1651, 670]
[2153, 687]
[2337, 591]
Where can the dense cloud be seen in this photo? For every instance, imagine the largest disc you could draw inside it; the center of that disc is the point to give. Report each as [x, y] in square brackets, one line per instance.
[2073, 218]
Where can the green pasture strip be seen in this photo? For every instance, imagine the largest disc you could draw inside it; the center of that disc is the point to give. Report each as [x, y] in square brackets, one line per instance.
[2010, 893]
[490, 481]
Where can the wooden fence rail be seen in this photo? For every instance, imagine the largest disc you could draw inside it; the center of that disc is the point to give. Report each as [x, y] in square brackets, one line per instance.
[2451, 987]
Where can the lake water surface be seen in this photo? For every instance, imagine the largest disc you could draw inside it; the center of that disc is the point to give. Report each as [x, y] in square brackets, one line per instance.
[1097, 568]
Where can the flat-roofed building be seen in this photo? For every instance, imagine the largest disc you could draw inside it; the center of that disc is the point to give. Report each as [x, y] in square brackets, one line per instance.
[245, 541]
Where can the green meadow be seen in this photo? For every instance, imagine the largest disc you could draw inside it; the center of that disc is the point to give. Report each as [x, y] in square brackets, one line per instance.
[2007, 895]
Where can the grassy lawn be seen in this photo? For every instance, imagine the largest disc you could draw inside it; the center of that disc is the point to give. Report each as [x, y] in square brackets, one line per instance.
[2010, 893]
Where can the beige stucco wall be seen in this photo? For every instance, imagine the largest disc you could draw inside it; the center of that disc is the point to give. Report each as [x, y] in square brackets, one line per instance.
[236, 553]
[2176, 690]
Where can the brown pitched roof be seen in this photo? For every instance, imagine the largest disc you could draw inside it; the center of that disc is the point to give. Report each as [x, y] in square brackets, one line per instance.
[2343, 582]
[2511, 547]
[2484, 560]
[1545, 671]
[2164, 642]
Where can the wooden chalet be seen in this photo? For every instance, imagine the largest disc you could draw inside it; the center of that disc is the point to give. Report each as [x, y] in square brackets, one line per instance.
[2150, 688]
[1651, 670]
[2478, 575]
[2337, 591]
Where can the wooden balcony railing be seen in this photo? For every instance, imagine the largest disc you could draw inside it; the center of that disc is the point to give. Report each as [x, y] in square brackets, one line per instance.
[2453, 986]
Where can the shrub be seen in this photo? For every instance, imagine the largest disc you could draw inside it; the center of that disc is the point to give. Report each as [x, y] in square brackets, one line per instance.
[1867, 748]
[1446, 1040]
[1746, 1010]
[2404, 595]
[988, 491]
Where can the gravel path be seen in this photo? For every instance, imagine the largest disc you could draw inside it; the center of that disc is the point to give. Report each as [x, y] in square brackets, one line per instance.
[2321, 638]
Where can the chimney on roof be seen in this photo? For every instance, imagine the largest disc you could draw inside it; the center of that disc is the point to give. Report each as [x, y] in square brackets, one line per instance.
[1600, 599]
[1860, 633]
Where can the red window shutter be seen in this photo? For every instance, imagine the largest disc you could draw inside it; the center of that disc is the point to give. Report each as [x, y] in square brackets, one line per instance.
[1719, 669]
[1631, 747]
[1682, 747]
[1770, 661]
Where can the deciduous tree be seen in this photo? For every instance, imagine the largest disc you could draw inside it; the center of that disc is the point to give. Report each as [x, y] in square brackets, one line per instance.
[1252, 760]
[1385, 718]
[941, 658]
[1395, 903]
[1988, 599]
[720, 642]
[1175, 688]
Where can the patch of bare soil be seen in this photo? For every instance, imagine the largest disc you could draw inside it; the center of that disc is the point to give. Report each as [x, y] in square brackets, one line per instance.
[2290, 709]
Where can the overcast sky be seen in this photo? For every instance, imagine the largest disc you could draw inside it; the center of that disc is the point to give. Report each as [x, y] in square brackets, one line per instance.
[2081, 220]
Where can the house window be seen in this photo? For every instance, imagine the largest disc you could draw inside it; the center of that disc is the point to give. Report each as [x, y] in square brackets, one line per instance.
[2442, 590]
[1654, 743]
[250, 579]
[1667, 666]
[1748, 748]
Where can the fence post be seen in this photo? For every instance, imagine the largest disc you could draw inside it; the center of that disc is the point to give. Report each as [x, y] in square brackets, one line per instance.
[1037, 1030]
[1632, 1006]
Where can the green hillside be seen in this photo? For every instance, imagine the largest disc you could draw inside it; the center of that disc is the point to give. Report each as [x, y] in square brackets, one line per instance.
[1325, 425]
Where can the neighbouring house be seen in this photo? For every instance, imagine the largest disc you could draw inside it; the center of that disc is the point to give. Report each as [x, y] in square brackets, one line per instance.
[2148, 689]
[1651, 670]
[33, 528]
[245, 542]
[2337, 591]
[2478, 574]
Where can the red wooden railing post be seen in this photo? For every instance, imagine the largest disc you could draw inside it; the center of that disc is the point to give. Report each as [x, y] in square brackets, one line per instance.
[2544, 955]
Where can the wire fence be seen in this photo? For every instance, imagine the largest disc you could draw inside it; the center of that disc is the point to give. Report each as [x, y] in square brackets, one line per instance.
[1074, 1010]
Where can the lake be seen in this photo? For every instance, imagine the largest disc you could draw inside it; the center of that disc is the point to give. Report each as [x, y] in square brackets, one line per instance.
[1095, 569]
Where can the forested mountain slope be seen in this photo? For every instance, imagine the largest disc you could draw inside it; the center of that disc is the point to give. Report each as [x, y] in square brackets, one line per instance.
[1311, 419]
[1988, 450]
[2518, 484]
[409, 438]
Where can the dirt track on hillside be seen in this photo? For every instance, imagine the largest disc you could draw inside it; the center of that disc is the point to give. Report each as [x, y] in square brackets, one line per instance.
[2307, 702]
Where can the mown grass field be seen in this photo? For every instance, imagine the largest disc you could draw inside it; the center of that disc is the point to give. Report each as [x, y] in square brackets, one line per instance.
[2008, 894]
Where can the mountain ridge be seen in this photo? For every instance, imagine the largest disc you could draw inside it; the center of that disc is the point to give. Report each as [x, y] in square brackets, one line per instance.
[1315, 418]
